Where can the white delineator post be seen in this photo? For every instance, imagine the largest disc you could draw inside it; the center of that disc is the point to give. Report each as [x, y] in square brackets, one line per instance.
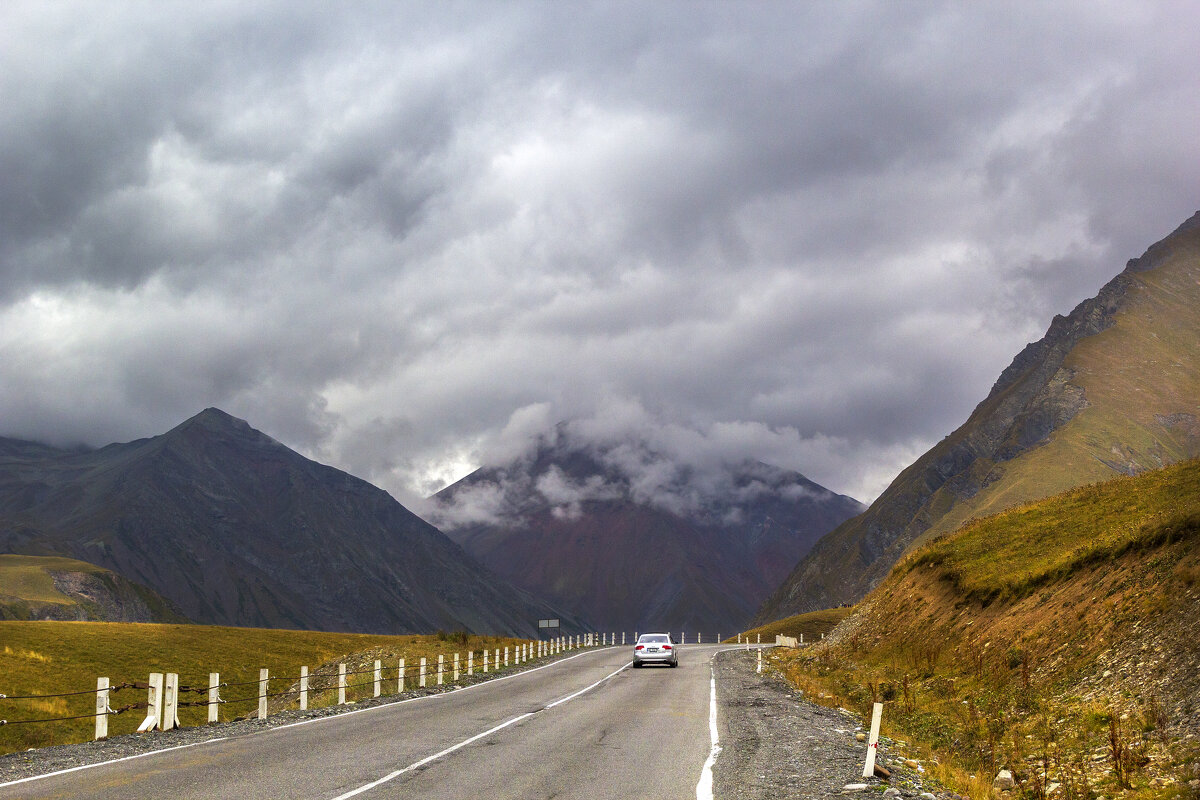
[485, 661]
[421, 674]
[456, 667]
[441, 668]
[873, 741]
[214, 697]
[101, 708]
[506, 656]
[622, 637]
[341, 684]
[470, 663]
[304, 688]
[153, 703]
[263, 678]
[760, 661]
[378, 688]
[170, 701]
[400, 678]
[496, 660]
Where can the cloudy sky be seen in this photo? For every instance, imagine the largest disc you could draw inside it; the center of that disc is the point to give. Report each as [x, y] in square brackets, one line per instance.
[401, 238]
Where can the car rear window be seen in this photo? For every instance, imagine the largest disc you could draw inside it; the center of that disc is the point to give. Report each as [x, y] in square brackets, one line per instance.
[653, 640]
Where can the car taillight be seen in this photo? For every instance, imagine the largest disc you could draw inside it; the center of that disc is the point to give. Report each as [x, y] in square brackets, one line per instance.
[666, 647]
[639, 647]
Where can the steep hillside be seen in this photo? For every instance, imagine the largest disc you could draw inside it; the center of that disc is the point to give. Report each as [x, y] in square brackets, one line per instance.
[665, 548]
[64, 589]
[236, 529]
[1039, 638]
[1112, 389]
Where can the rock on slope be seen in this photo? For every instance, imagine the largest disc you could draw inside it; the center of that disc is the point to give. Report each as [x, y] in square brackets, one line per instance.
[1111, 389]
[666, 548]
[236, 529]
[37, 588]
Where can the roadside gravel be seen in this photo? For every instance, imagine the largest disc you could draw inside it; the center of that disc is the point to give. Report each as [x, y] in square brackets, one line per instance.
[775, 744]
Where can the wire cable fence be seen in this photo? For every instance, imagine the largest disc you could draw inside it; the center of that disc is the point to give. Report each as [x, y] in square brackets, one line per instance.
[332, 684]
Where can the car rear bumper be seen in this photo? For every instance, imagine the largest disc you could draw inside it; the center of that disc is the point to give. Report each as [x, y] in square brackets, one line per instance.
[654, 658]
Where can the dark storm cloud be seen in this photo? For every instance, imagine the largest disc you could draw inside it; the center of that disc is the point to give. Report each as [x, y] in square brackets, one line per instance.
[812, 233]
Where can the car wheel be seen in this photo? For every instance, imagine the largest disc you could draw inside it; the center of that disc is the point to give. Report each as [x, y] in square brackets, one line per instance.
[637, 665]
[674, 663]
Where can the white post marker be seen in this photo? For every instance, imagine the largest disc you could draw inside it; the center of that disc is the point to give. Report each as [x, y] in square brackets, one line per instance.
[170, 701]
[441, 668]
[101, 708]
[263, 677]
[873, 742]
[622, 637]
[422, 672]
[496, 660]
[214, 697]
[304, 688]
[739, 638]
[470, 663]
[506, 656]
[378, 676]
[341, 684]
[400, 678]
[153, 704]
[456, 667]
[485, 664]
[760, 661]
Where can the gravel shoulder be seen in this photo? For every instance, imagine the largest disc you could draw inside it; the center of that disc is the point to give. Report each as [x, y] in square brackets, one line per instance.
[776, 744]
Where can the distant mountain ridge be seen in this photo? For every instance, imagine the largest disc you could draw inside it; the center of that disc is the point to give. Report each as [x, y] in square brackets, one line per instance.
[50, 588]
[1113, 388]
[691, 551]
[236, 529]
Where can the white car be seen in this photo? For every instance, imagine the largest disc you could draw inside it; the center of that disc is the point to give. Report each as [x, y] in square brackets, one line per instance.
[655, 648]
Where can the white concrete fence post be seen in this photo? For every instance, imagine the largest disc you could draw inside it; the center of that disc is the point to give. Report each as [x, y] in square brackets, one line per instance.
[485, 661]
[506, 656]
[622, 637]
[154, 696]
[378, 688]
[214, 697]
[400, 678]
[101, 708]
[341, 684]
[263, 677]
[456, 667]
[739, 638]
[873, 741]
[759, 635]
[171, 701]
[441, 668]
[304, 688]
[470, 663]
[496, 660]
[802, 638]
[421, 674]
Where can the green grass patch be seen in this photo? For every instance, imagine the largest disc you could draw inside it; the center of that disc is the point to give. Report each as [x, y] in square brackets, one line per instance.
[1013, 553]
[812, 625]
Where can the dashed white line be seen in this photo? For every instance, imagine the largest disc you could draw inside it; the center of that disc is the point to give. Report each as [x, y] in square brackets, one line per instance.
[397, 773]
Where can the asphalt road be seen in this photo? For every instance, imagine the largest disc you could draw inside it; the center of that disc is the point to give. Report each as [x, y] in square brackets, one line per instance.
[588, 726]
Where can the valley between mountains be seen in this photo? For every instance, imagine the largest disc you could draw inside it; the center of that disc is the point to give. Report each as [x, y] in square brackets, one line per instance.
[1022, 597]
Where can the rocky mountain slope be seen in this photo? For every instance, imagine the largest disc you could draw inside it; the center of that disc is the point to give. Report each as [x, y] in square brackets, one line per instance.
[1112, 389]
[633, 541]
[236, 529]
[65, 589]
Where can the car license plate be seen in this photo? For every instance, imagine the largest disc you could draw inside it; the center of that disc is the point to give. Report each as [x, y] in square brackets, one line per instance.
[652, 649]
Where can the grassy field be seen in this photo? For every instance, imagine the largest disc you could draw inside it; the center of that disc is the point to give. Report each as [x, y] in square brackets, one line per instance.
[812, 626]
[1055, 639]
[38, 658]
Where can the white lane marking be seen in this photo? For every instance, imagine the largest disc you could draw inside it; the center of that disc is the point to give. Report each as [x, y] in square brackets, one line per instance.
[113, 761]
[438, 696]
[396, 774]
[704, 789]
[393, 775]
[488, 682]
